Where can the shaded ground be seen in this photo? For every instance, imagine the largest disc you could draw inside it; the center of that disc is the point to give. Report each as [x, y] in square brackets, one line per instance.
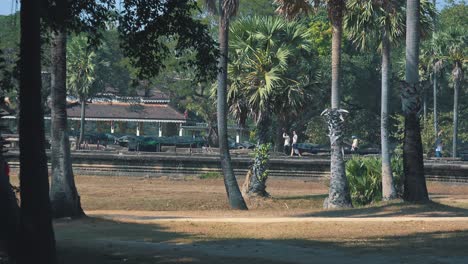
[107, 241]
[142, 220]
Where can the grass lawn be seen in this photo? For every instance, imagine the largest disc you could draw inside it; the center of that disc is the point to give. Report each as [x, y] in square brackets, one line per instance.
[127, 234]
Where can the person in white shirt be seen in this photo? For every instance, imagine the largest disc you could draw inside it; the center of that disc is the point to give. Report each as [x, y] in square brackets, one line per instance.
[355, 145]
[287, 142]
[295, 149]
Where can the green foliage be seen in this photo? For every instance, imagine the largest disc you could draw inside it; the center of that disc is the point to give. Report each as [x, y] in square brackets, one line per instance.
[427, 133]
[269, 67]
[145, 26]
[262, 154]
[211, 175]
[365, 178]
[454, 15]
[316, 131]
[320, 32]
[81, 62]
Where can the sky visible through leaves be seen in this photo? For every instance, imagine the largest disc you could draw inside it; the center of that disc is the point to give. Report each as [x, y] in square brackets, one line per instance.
[10, 6]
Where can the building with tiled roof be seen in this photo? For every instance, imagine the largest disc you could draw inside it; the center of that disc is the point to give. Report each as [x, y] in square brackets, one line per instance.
[111, 108]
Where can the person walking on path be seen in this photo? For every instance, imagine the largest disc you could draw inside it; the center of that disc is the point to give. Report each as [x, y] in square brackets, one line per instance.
[287, 142]
[295, 149]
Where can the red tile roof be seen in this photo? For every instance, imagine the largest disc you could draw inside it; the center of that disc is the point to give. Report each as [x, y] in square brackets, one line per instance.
[119, 111]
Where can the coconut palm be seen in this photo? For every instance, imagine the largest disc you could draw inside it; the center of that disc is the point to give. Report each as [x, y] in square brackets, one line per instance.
[265, 54]
[226, 9]
[338, 195]
[455, 52]
[373, 21]
[80, 75]
[414, 182]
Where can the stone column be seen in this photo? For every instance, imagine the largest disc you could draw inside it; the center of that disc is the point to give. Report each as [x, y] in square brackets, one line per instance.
[181, 130]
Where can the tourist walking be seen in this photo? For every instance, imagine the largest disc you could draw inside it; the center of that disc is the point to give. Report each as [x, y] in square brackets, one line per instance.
[295, 149]
[287, 142]
[355, 145]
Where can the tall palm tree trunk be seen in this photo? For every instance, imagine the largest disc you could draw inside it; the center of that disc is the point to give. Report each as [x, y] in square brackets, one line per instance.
[63, 194]
[338, 195]
[37, 243]
[457, 73]
[236, 201]
[82, 121]
[434, 87]
[434, 93]
[414, 183]
[388, 188]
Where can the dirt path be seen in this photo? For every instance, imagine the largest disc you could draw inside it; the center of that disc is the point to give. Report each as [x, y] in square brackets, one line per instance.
[155, 217]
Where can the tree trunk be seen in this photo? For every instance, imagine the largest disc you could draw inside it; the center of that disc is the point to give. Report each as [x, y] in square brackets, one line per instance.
[36, 238]
[257, 184]
[414, 183]
[236, 201]
[434, 91]
[63, 194]
[388, 188]
[82, 121]
[338, 195]
[457, 73]
[434, 79]
[10, 212]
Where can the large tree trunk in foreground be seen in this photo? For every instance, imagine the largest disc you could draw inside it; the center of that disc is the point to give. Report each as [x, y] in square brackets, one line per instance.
[37, 243]
[388, 188]
[258, 173]
[338, 194]
[415, 183]
[10, 212]
[63, 194]
[457, 76]
[236, 201]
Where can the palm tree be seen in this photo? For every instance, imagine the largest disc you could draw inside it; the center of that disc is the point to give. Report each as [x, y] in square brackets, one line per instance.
[263, 59]
[80, 66]
[414, 182]
[36, 235]
[456, 49]
[227, 9]
[63, 193]
[368, 21]
[382, 22]
[338, 195]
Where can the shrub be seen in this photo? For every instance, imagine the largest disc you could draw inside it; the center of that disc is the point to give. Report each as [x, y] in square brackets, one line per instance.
[211, 175]
[365, 178]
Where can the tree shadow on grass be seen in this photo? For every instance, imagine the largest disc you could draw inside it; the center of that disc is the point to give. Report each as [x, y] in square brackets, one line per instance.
[395, 209]
[93, 240]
